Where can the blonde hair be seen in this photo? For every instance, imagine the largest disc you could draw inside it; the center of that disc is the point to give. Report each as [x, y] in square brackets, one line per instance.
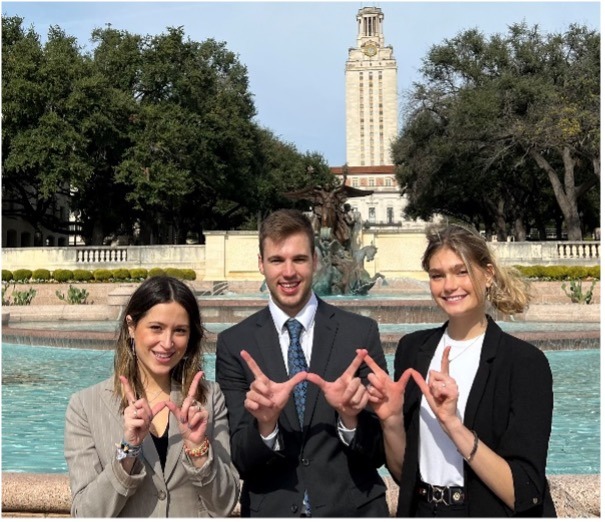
[508, 293]
[153, 291]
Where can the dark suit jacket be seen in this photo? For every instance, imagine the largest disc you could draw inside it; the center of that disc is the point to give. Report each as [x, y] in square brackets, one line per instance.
[509, 406]
[341, 481]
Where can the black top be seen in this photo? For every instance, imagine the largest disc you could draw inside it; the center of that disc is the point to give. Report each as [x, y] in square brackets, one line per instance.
[161, 446]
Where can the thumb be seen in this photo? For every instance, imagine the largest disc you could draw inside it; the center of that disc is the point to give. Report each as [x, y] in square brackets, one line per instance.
[172, 407]
[157, 408]
[317, 380]
[298, 378]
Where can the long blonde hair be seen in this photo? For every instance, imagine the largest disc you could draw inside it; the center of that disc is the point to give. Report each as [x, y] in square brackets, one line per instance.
[153, 291]
[509, 292]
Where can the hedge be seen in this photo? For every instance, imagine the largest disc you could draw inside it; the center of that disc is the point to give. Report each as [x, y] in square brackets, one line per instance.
[41, 274]
[7, 275]
[61, 275]
[23, 274]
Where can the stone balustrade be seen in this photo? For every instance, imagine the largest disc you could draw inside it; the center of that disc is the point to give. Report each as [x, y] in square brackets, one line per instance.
[232, 256]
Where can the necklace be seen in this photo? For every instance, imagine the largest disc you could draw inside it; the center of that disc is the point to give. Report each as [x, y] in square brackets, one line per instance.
[464, 349]
[149, 401]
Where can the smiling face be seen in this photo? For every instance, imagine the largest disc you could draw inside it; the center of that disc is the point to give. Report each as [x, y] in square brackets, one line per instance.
[288, 267]
[458, 293]
[161, 337]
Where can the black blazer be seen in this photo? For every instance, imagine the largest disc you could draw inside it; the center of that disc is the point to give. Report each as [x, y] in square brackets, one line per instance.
[509, 406]
[341, 480]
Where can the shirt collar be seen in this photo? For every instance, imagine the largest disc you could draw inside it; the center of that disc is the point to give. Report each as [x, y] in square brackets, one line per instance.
[305, 316]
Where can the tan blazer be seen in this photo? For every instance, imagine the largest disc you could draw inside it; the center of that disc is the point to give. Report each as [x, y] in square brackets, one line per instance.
[101, 488]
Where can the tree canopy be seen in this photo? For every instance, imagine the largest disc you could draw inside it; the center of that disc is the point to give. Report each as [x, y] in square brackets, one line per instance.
[504, 131]
[155, 133]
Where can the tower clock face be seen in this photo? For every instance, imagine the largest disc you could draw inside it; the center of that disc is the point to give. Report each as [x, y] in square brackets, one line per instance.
[370, 49]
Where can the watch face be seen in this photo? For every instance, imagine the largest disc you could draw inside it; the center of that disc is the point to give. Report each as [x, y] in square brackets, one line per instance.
[370, 49]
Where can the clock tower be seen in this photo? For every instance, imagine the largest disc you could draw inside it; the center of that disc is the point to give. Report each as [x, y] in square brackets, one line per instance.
[371, 93]
[371, 123]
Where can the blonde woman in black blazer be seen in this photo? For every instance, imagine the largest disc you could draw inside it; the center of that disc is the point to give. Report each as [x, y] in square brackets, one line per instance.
[471, 437]
[152, 440]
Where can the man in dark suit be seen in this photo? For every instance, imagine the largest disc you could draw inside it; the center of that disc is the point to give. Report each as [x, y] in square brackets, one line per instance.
[323, 463]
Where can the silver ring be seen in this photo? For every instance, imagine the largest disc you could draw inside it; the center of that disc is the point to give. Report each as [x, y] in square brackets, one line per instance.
[136, 413]
[443, 385]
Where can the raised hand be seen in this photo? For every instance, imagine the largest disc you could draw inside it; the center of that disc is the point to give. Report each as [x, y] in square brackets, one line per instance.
[192, 416]
[137, 415]
[266, 399]
[385, 395]
[441, 392]
[347, 394]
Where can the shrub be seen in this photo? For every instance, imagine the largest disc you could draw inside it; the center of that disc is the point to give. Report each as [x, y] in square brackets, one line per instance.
[61, 275]
[83, 275]
[174, 272]
[138, 273]
[102, 274]
[120, 274]
[41, 274]
[189, 274]
[156, 272]
[22, 274]
[74, 295]
[7, 275]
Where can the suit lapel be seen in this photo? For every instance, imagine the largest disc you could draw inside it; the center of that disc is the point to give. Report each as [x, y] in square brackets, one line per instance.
[491, 341]
[423, 360]
[323, 344]
[175, 440]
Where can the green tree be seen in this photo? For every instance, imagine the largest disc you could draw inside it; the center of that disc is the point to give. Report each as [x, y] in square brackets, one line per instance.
[41, 146]
[500, 124]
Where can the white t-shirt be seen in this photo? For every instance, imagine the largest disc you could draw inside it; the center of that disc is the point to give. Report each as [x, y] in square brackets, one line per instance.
[440, 463]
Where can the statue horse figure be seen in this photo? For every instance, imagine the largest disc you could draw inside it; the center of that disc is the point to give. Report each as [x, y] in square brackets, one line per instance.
[367, 252]
[362, 281]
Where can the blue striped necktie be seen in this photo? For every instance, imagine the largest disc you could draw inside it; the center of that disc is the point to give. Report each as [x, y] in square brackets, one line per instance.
[297, 363]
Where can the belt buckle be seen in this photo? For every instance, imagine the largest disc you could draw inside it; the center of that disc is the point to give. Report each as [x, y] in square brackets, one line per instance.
[440, 498]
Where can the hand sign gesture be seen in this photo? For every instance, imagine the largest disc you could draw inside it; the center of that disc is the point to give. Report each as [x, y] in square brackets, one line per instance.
[385, 395]
[266, 399]
[137, 415]
[347, 395]
[441, 392]
[192, 416]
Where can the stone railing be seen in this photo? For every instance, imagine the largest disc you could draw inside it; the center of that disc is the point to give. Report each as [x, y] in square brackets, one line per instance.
[579, 250]
[232, 256]
[96, 255]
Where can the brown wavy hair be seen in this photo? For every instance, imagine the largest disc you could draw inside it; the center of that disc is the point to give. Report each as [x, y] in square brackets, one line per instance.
[509, 292]
[153, 291]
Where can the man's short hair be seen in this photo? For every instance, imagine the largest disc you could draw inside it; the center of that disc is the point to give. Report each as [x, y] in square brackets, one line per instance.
[284, 223]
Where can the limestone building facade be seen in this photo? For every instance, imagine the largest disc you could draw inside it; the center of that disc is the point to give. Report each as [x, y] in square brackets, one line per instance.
[372, 115]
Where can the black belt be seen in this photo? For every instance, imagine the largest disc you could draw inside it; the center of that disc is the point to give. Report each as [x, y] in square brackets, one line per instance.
[446, 495]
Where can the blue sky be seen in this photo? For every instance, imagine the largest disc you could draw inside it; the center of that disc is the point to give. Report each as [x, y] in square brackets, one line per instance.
[295, 52]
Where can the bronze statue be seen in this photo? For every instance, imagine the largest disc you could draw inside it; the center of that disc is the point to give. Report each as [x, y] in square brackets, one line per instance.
[340, 268]
[329, 207]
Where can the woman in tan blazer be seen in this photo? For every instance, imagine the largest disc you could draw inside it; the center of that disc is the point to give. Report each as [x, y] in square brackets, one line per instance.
[127, 455]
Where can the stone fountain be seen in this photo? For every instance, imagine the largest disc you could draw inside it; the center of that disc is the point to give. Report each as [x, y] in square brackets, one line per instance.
[337, 226]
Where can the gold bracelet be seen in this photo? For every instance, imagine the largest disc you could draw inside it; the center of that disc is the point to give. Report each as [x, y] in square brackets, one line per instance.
[199, 451]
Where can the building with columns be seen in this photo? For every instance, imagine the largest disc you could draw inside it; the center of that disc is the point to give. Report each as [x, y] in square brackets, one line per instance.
[372, 114]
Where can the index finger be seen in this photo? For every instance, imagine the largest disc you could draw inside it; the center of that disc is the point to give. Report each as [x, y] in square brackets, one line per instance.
[356, 363]
[127, 389]
[254, 368]
[373, 365]
[194, 384]
[445, 361]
